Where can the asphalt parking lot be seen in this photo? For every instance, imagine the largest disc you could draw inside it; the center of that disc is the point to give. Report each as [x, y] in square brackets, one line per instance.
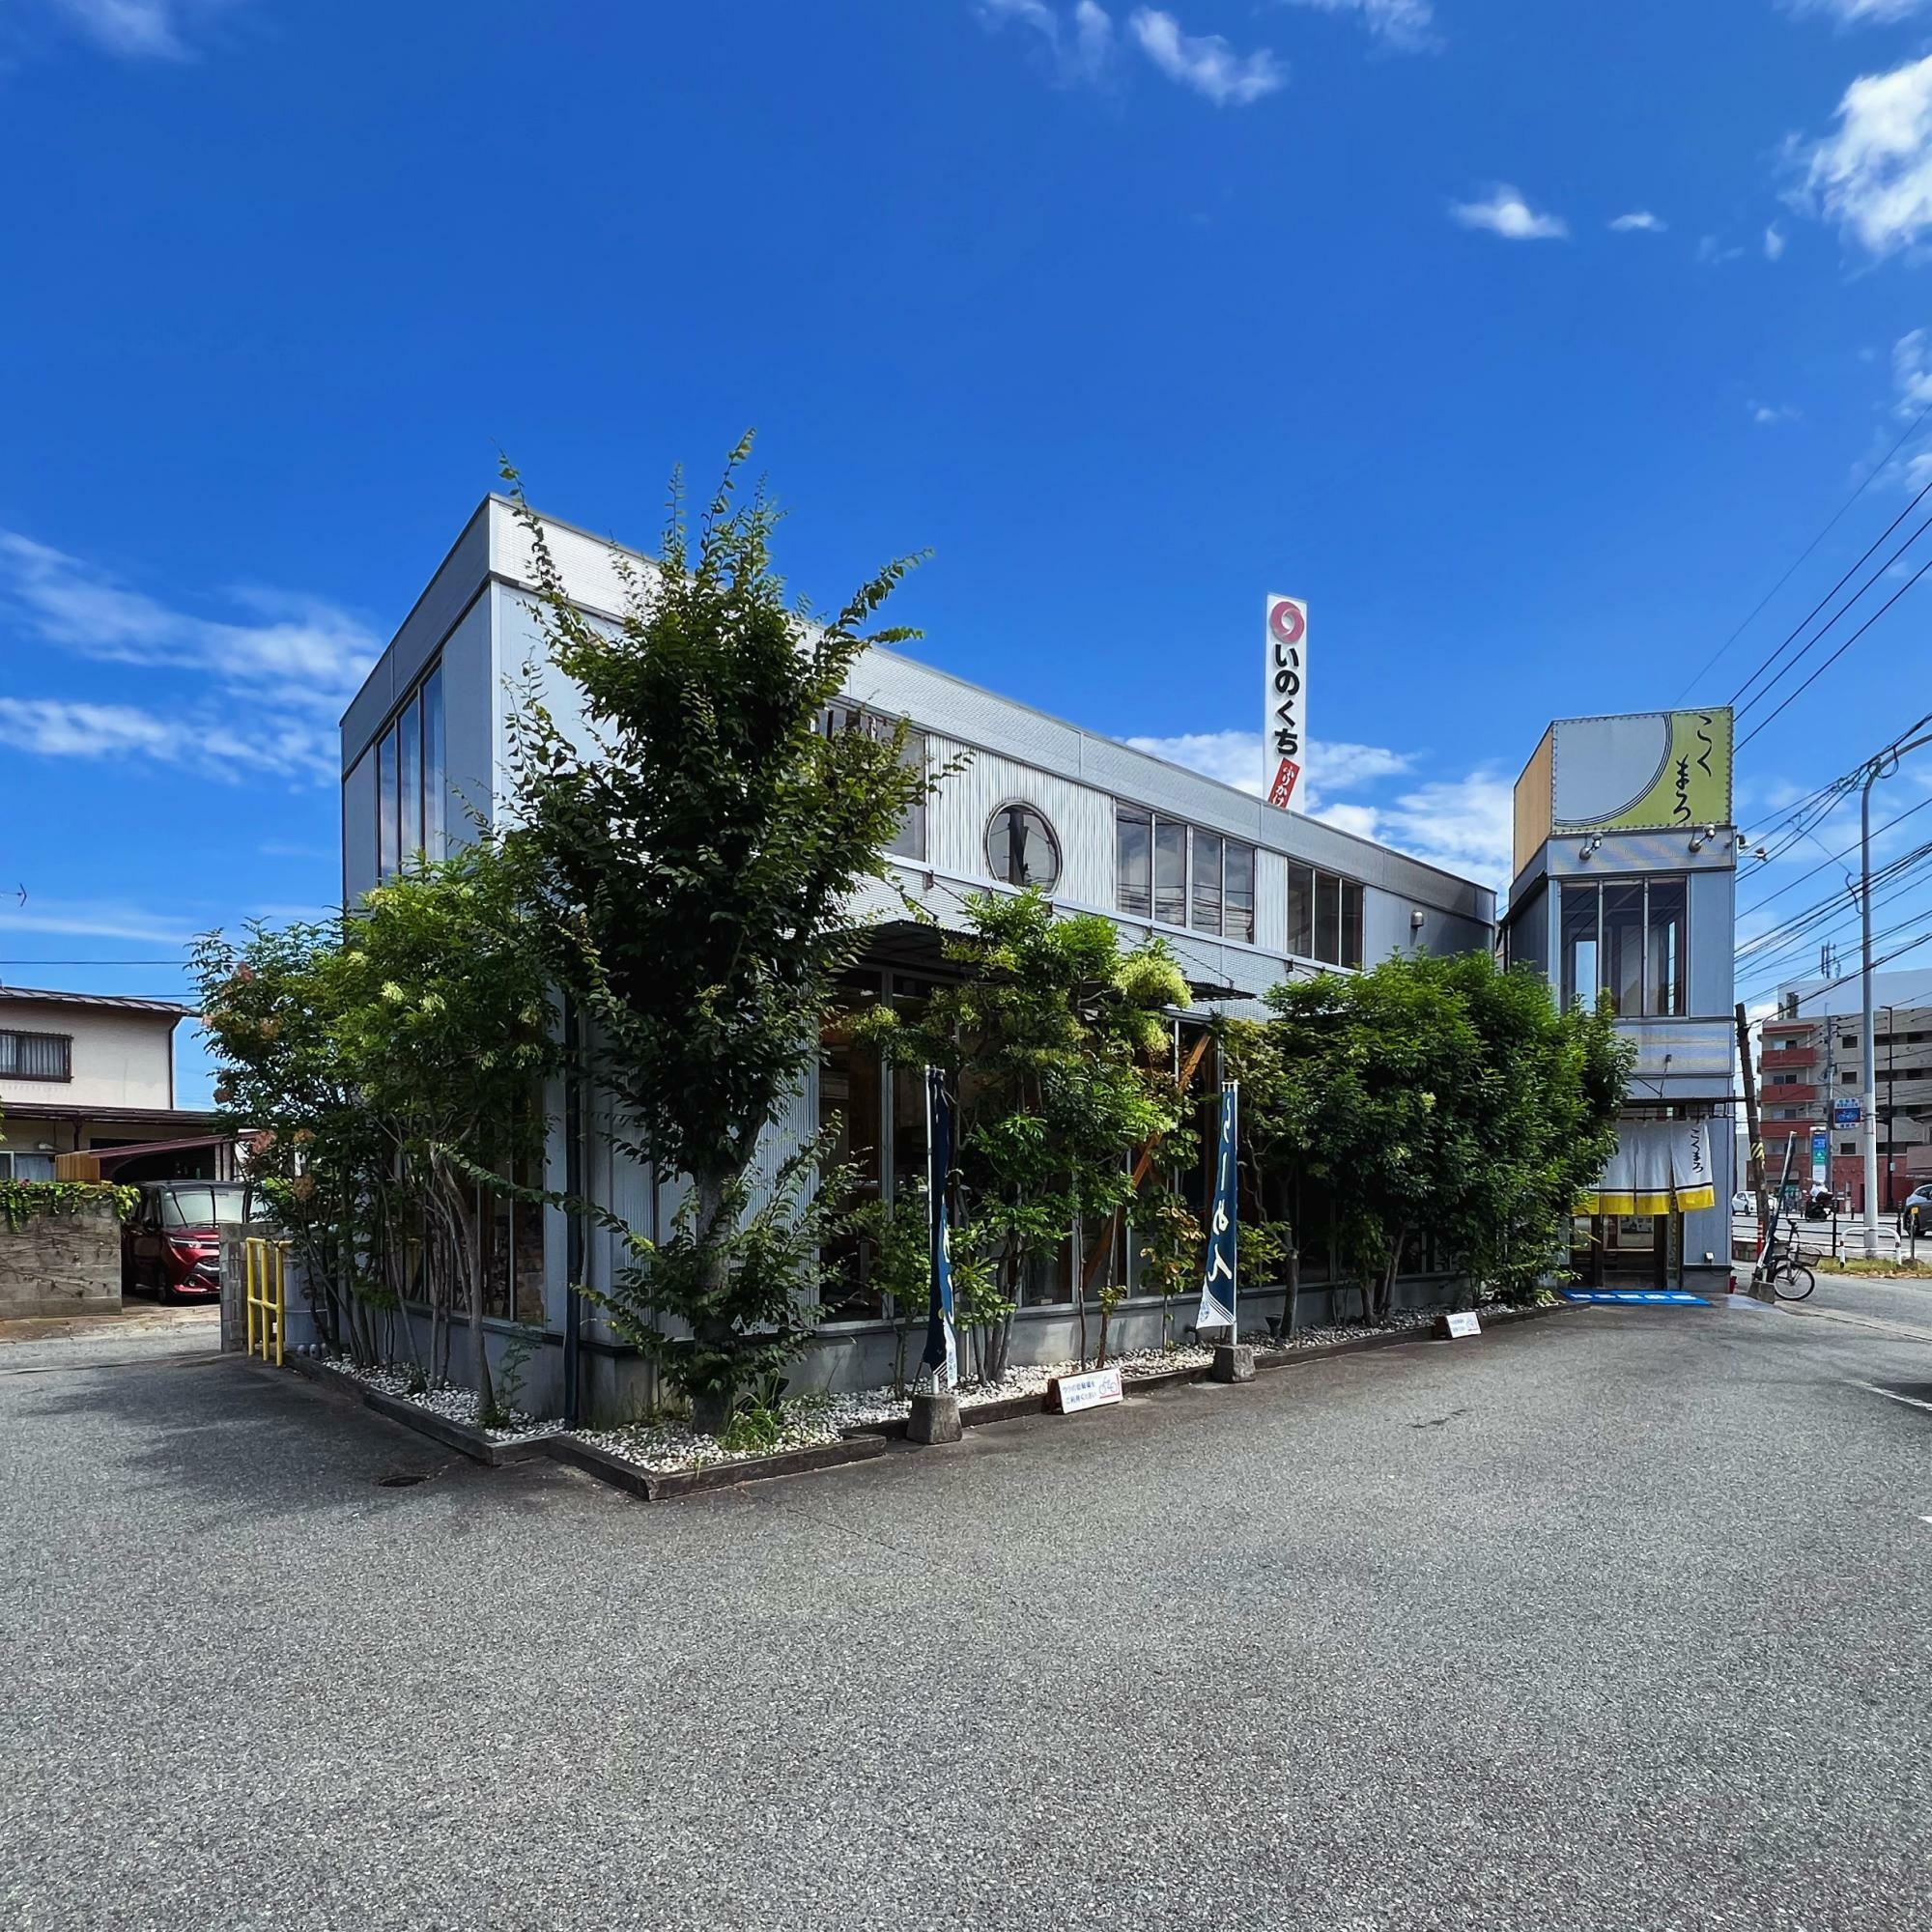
[1615, 1619]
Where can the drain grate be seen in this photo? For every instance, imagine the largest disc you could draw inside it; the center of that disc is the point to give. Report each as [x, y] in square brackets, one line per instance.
[407, 1480]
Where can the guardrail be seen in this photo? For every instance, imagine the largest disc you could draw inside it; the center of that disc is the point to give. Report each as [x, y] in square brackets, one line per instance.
[263, 1296]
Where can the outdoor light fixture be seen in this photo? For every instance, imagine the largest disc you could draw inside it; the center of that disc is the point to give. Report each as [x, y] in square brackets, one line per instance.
[1416, 918]
[1590, 845]
[1702, 836]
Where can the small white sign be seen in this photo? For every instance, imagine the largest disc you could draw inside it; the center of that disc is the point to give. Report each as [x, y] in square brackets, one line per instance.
[1094, 1390]
[1465, 1324]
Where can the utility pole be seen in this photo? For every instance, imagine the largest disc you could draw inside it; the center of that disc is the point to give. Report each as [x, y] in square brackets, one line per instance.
[1881, 767]
[1752, 1128]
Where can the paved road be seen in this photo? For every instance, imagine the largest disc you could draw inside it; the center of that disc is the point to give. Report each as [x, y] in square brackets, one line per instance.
[1617, 1619]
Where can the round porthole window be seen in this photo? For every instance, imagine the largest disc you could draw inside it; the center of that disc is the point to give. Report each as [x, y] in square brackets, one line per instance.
[1021, 849]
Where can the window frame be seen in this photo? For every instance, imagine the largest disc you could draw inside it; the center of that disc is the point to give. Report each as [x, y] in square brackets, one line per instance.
[422, 706]
[64, 1041]
[1183, 838]
[1592, 892]
[1002, 811]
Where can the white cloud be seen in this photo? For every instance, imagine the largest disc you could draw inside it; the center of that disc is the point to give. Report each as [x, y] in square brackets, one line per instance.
[1463, 825]
[1771, 412]
[295, 667]
[1508, 214]
[1872, 176]
[1911, 372]
[137, 29]
[1859, 12]
[1639, 221]
[1236, 758]
[1710, 249]
[1079, 42]
[1406, 25]
[1774, 242]
[91, 919]
[1205, 62]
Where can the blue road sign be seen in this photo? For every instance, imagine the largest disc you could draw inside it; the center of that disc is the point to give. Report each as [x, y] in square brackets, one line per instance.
[1844, 1113]
[1652, 1298]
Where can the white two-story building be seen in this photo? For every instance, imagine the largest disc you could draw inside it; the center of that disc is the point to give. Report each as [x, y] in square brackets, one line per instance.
[1245, 895]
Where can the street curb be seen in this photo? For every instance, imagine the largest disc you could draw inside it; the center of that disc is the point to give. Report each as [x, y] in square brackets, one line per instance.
[654, 1486]
[1010, 1407]
[471, 1442]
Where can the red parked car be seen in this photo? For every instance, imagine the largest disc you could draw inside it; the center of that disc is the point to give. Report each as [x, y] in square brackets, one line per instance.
[171, 1244]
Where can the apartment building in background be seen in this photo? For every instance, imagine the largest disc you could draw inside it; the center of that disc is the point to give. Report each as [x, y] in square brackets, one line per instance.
[1809, 1083]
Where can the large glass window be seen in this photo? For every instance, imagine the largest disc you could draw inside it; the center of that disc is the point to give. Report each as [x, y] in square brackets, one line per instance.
[1170, 872]
[1622, 946]
[1133, 861]
[1021, 848]
[1325, 916]
[1664, 929]
[1301, 910]
[909, 841]
[1578, 916]
[1206, 880]
[1627, 938]
[1238, 892]
[435, 763]
[388, 826]
[1159, 858]
[409, 778]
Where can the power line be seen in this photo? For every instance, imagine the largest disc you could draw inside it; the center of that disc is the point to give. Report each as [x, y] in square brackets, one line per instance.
[1744, 912]
[1798, 629]
[1798, 691]
[1877, 469]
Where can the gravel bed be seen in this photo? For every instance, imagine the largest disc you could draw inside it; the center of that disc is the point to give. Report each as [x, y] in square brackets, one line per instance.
[663, 1447]
[448, 1400]
[862, 1408]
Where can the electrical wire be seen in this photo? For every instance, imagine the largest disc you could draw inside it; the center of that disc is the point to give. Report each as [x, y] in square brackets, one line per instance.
[1871, 476]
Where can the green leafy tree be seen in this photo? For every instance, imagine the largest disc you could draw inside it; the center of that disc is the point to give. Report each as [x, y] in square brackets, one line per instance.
[1060, 1053]
[386, 1072]
[693, 859]
[1438, 1094]
[443, 1016]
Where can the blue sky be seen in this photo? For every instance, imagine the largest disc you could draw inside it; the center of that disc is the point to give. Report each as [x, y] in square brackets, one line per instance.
[1530, 344]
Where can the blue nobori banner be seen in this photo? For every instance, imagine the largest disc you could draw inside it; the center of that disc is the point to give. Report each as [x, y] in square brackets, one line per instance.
[940, 1364]
[1217, 1281]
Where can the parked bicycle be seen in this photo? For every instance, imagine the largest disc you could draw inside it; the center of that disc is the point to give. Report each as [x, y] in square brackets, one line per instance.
[1789, 1279]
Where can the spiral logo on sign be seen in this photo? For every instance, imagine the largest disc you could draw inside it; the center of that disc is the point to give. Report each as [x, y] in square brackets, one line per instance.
[1287, 622]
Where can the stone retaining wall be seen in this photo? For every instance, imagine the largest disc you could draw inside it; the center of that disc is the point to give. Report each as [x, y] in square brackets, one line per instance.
[62, 1264]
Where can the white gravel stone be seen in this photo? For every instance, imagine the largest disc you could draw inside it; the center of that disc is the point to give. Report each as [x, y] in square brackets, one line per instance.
[444, 1399]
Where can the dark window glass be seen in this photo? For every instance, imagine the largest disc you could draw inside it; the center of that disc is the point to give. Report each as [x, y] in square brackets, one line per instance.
[1238, 892]
[1170, 872]
[1328, 918]
[409, 780]
[1021, 848]
[1301, 910]
[1352, 922]
[1206, 881]
[909, 841]
[1622, 946]
[435, 763]
[1666, 969]
[1577, 909]
[388, 817]
[1133, 861]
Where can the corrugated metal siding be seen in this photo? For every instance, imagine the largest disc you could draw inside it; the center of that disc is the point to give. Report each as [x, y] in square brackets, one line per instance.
[1271, 901]
[1082, 820]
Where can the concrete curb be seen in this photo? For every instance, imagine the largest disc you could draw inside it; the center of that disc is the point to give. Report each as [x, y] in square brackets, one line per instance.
[471, 1442]
[654, 1486]
[1010, 1407]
